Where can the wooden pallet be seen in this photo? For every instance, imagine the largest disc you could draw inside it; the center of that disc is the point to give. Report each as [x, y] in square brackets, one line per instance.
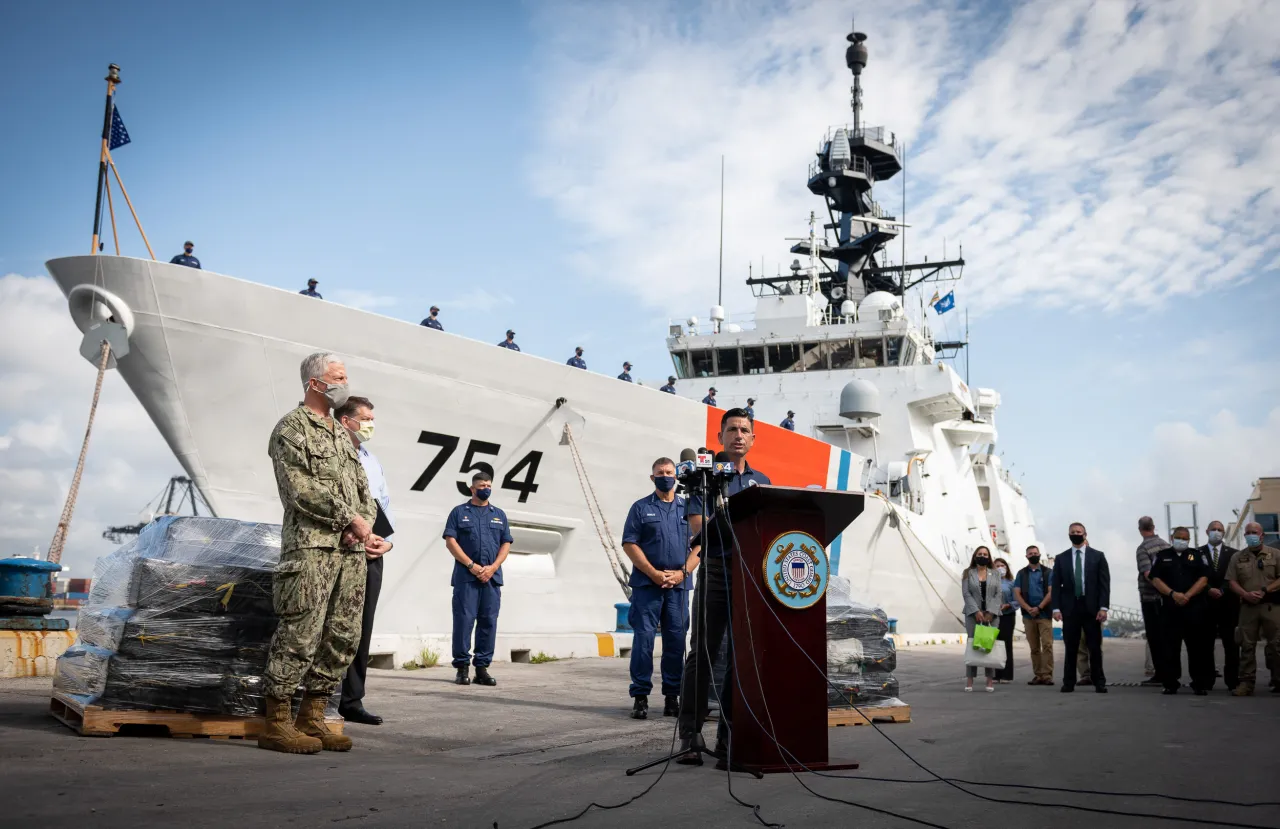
[853, 716]
[92, 721]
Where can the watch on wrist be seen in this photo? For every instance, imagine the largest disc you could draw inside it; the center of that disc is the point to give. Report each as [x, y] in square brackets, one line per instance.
[471, 566]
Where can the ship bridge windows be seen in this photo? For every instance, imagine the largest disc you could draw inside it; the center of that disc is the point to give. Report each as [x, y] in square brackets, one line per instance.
[728, 362]
[844, 354]
[681, 360]
[783, 357]
[816, 354]
[871, 353]
[893, 350]
[909, 351]
[753, 360]
[701, 363]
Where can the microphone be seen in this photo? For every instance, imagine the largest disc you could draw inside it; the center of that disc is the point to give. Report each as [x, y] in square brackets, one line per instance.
[704, 458]
[687, 466]
[722, 470]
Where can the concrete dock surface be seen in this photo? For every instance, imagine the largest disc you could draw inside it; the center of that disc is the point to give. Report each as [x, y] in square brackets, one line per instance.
[551, 738]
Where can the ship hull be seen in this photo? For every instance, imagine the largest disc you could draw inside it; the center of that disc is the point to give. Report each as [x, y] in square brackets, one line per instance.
[214, 361]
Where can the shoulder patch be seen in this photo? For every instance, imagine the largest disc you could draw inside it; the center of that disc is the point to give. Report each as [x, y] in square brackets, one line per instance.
[289, 432]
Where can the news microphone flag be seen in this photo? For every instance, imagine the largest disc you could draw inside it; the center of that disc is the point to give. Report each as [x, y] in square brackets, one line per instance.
[945, 304]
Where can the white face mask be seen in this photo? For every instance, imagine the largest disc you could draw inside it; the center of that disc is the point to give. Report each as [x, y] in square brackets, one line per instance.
[364, 430]
[1215, 536]
[1181, 544]
[1001, 569]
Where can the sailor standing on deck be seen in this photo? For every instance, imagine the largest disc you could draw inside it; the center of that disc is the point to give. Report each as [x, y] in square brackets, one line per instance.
[656, 539]
[510, 341]
[710, 400]
[576, 360]
[1254, 575]
[357, 416]
[750, 408]
[478, 537]
[433, 320]
[670, 387]
[626, 372]
[185, 258]
[711, 603]
[318, 587]
[311, 289]
[789, 423]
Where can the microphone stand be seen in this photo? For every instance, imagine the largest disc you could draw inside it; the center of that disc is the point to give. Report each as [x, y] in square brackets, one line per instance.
[697, 745]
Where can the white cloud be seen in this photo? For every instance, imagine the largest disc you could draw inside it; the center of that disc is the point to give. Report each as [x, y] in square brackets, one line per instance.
[42, 417]
[1095, 153]
[1214, 467]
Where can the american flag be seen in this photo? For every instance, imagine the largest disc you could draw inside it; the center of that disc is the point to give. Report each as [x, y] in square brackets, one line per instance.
[119, 135]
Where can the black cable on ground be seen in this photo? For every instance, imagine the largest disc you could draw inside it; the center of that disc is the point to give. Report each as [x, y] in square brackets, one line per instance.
[952, 781]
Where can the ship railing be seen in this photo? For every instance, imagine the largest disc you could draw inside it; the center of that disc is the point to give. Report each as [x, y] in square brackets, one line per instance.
[857, 164]
[734, 323]
[867, 133]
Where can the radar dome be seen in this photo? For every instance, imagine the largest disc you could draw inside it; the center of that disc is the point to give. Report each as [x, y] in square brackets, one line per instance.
[880, 301]
[859, 399]
[848, 308]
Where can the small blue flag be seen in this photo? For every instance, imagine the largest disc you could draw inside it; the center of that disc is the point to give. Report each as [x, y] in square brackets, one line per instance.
[119, 135]
[945, 304]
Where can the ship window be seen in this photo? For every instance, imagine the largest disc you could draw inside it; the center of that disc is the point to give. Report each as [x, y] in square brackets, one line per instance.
[700, 364]
[1270, 522]
[894, 350]
[783, 357]
[681, 359]
[815, 356]
[909, 353]
[844, 354]
[871, 353]
[753, 360]
[727, 362]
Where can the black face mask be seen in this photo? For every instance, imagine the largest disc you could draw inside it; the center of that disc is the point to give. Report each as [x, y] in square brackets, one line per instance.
[983, 562]
[1076, 539]
[1033, 560]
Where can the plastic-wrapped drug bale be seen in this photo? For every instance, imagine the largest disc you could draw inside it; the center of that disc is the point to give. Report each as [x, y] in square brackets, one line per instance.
[849, 618]
[82, 671]
[200, 588]
[101, 627]
[167, 636]
[866, 689]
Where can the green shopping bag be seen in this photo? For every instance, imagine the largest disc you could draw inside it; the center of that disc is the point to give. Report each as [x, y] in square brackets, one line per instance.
[984, 637]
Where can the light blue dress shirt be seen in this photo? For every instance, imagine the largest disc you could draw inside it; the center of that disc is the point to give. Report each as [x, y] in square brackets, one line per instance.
[377, 482]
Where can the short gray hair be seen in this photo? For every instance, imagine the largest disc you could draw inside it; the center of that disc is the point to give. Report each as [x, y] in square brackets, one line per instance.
[1146, 525]
[316, 365]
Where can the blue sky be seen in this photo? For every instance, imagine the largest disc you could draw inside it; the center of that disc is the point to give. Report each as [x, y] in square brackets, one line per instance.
[1110, 169]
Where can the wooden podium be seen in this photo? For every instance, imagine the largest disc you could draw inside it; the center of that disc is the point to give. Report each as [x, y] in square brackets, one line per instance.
[780, 647]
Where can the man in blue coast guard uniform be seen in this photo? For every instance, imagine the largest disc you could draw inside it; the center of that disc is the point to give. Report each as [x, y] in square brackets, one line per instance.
[311, 289]
[433, 321]
[710, 399]
[656, 539]
[626, 372]
[478, 537]
[750, 408]
[670, 387]
[790, 422]
[576, 360]
[510, 341]
[186, 257]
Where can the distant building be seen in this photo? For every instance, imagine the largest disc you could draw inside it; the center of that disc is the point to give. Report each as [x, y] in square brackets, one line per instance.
[1263, 506]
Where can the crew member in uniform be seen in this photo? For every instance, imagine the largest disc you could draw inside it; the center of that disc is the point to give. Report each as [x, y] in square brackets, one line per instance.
[510, 341]
[1254, 577]
[710, 400]
[1224, 606]
[478, 537]
[656, 539]
[789, 422]
[712, 593]
[185, 258]
[670, 387]
[1181, 576]
[311, 289]
[433, 321]
[356, 415]
[318, 585]
[750, 408]
[576, 360]
[626, 372]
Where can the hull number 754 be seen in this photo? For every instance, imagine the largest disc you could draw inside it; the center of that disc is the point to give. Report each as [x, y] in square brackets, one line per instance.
[528, 465]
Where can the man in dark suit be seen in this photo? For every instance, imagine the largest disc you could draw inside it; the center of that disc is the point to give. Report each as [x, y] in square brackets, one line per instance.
[1081, 595]
[1224, 607]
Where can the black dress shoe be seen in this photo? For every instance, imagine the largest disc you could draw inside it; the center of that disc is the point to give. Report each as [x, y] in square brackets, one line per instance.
[1066, 689]
[688, 757]
[1100, 689]
[462, 678]
[483, 678]
[671, 708]
[359, 715]
[640, 710]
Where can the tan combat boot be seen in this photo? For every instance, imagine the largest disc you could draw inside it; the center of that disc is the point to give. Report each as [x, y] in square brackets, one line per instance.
[1244, 689]
[311, 723]
[280, 735]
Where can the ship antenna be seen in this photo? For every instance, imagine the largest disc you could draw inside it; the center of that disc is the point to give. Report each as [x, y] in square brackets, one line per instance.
[720, 275]
[113, 80]
[855, 57]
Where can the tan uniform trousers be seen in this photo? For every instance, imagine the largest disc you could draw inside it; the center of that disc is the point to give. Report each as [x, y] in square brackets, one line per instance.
[1039, 633]
[1258, 623]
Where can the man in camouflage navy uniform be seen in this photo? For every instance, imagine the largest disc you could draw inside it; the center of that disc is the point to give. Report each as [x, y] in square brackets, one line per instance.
[320, 580]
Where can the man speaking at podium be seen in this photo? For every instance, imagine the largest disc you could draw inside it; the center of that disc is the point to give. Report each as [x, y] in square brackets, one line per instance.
[711, 609]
